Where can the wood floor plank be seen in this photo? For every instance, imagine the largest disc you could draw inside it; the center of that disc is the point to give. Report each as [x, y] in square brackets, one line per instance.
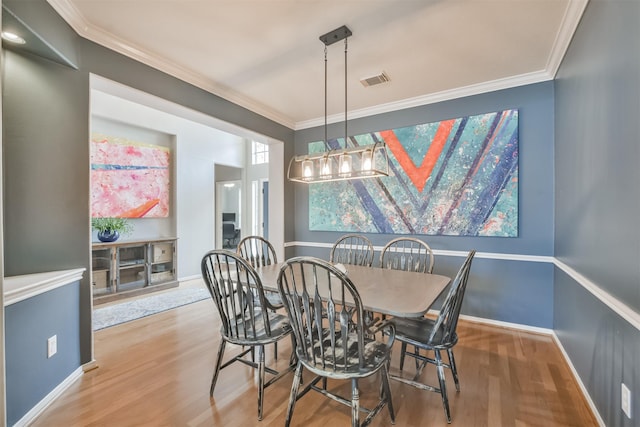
[156, 371]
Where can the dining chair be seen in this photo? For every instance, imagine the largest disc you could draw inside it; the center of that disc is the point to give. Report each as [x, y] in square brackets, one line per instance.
[408, 254]
[353, 249]
[332, 339]
[259, 252]
[436, 335]
[236, 289]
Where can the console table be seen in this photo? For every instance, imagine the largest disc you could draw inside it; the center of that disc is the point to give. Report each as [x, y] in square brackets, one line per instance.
[130, 267]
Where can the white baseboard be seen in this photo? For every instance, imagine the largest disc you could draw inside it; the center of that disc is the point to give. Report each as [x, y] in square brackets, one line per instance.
[48, 399]
[585, 393]
[90, 366]
[188, 278]
[508, 325]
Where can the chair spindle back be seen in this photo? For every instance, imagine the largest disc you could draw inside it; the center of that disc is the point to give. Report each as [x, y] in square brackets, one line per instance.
[326, 314]
[408, 254]
[352, 249]
[237, 292]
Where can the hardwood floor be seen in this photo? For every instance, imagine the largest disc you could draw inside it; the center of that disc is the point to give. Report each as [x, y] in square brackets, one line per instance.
[156, 371]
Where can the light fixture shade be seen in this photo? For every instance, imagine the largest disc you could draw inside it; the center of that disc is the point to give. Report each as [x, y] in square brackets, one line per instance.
[345, 163]
[307, 168]
[325, 167]
[366, 161]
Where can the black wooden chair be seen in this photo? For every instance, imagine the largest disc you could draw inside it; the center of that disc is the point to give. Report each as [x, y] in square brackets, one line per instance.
[259, 252]
[332, 339]
[245, 315]
[408, 254]
[436, 335]
[353, 249]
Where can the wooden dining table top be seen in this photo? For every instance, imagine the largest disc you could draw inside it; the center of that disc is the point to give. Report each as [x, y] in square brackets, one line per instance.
[385, 291]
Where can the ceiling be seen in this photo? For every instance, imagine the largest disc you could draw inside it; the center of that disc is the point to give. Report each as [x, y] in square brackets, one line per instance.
[266, 54]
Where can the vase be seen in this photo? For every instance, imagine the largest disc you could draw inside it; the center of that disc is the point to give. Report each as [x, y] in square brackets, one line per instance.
[108, 236]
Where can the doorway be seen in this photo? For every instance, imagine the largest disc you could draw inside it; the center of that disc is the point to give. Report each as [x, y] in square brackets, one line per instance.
[228, 213]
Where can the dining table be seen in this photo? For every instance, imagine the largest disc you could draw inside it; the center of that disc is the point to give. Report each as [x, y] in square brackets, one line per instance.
[385, 291]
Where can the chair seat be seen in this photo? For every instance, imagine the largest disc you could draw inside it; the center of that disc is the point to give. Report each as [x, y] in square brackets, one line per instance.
[278, 323]
[274, 298]
[375, 354]
[274, 301]
[416, 331]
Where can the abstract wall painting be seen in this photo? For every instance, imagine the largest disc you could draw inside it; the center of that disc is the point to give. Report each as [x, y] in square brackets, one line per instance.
[129, 179]
[456, 177]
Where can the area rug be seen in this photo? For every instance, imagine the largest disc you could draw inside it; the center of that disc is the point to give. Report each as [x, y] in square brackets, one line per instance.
[142, 307]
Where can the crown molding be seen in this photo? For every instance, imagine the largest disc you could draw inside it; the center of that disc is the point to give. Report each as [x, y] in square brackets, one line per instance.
[568, 26]
[75, 19]
[446, 95]
[111, 41]
[570, 20]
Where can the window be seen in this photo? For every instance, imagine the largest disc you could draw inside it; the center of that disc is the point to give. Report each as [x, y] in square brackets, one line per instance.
[259, 153]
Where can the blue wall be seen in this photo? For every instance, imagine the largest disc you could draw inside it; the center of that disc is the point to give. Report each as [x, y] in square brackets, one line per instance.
[28, 324]
[505, 290]
[597, 202]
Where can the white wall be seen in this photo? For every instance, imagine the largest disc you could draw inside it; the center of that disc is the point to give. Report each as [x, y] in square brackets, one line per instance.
[197, 148]
[201, 142]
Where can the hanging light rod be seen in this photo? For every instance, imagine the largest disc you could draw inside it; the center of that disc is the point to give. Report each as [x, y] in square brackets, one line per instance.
[355, 162]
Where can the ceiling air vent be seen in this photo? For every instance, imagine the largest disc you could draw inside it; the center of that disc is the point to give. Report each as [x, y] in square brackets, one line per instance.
[375, 80]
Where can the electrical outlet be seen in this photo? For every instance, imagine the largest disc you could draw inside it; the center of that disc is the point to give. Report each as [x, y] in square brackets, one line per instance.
[625, 400]
[52, 346]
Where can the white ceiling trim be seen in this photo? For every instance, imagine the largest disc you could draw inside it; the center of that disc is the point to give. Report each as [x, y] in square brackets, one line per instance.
[447, 95]
[85, 29]
[109, 40]
[568, 26]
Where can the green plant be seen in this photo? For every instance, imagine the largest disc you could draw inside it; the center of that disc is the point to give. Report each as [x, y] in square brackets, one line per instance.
[121, 225]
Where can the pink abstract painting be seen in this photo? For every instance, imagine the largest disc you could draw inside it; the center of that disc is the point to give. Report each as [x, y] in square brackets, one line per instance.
[129, 179]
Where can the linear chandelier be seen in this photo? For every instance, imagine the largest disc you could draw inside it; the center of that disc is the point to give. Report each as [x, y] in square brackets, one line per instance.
[357, 162]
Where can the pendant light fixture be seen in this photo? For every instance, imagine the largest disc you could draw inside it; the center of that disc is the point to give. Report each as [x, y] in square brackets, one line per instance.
[355, 162]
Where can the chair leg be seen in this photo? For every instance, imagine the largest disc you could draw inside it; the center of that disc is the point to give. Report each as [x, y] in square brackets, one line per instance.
[216, 370]
[403, 351]
[417, 353]
[294, 394]
[275, 348]
[387, 392]
[293, 358]
[454, 370]
[443, 386]
[355, 403]
[260, 380]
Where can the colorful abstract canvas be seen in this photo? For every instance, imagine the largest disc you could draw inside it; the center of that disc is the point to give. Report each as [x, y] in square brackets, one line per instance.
[456, 177]
[128, 179]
